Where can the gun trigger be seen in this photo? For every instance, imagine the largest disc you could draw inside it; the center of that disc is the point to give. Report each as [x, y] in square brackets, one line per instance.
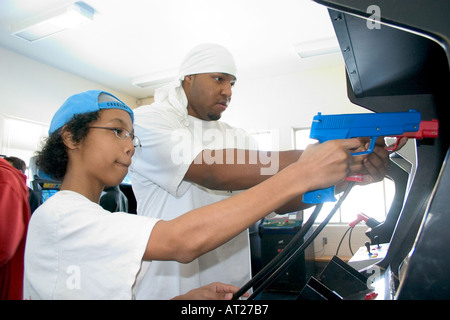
[371, 147]
[393, 147]
[372, 144]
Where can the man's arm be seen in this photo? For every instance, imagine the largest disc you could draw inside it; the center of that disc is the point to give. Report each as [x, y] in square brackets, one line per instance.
[236, 174]
[232, 173]
[237, 169]
[207, 227]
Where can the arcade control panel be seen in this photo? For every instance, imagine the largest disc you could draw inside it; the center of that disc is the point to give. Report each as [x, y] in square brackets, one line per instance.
[368, 255]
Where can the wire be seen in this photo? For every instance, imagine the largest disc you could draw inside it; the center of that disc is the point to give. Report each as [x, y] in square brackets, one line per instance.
[268, 268]
[340, 242]
[350, 242]
[282, 265]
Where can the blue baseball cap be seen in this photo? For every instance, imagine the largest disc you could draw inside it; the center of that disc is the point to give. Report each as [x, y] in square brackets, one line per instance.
[84, 102]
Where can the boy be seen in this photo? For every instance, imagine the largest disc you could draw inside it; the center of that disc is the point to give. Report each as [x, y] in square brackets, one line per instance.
[77, 250]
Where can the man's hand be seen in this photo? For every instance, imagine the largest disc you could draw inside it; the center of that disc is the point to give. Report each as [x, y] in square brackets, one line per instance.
[212, 291]
[374, 166]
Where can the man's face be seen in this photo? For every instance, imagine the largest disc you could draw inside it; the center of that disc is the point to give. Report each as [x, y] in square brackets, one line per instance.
[208, 94]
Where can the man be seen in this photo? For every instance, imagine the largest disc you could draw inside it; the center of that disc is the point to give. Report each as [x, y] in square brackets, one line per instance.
[19, 164]
[191, 159]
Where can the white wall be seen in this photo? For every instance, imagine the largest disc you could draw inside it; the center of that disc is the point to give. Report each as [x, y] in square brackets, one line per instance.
[34, 91]
[281, 102]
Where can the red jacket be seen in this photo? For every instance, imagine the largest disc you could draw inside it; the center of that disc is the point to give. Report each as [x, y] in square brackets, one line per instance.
[14, 218]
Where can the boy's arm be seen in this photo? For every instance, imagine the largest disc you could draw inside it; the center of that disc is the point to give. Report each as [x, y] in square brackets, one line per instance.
[201, 230]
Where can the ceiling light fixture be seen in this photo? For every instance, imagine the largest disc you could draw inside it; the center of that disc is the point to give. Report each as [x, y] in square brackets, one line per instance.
[154, 80]
[53, 22]
[317, 47]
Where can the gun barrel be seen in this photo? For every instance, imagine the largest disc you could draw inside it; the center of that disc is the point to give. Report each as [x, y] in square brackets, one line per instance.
[344, 126]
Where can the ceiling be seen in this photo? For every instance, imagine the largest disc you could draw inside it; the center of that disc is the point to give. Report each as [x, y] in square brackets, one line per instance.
[129, 39]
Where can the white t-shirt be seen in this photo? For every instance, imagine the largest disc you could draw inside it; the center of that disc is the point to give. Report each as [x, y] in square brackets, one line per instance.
[170, 142]
[77, 250]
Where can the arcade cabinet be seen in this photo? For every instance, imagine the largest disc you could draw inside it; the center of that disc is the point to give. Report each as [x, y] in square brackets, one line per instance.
[397, 58]
[42, 184]
[275, 233]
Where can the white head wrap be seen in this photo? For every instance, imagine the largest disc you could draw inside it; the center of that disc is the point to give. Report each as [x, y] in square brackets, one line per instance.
[207, 58]
[204, 58]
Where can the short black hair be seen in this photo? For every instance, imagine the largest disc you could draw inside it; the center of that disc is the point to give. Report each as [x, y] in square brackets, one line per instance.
[17, 163]
[53, 159]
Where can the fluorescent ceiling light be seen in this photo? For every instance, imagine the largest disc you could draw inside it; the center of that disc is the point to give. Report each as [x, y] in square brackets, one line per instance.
[154, 80]
[317, 47]
[54, 22]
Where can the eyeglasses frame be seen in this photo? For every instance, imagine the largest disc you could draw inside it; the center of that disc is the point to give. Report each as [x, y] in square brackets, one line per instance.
[128, 135]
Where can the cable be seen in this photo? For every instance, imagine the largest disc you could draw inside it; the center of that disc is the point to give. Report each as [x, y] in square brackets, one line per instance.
[275, 261]
[340, 242]
[305, 244]
[350, 242]
[268, 268]
[299, 250]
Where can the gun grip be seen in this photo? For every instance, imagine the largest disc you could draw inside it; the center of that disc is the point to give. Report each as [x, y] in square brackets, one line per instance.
[319, 196]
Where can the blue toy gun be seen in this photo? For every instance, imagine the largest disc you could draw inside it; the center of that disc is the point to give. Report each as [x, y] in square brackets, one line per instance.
[346, 126]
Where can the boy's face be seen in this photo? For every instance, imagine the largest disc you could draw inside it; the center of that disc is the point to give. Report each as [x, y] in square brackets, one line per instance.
[104, 157]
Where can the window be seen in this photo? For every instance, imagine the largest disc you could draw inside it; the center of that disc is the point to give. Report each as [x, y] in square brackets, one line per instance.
[265, 140]
[373, 200]
[22, 138]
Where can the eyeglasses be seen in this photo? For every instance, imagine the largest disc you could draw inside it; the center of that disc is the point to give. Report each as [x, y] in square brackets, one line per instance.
[123, 134]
